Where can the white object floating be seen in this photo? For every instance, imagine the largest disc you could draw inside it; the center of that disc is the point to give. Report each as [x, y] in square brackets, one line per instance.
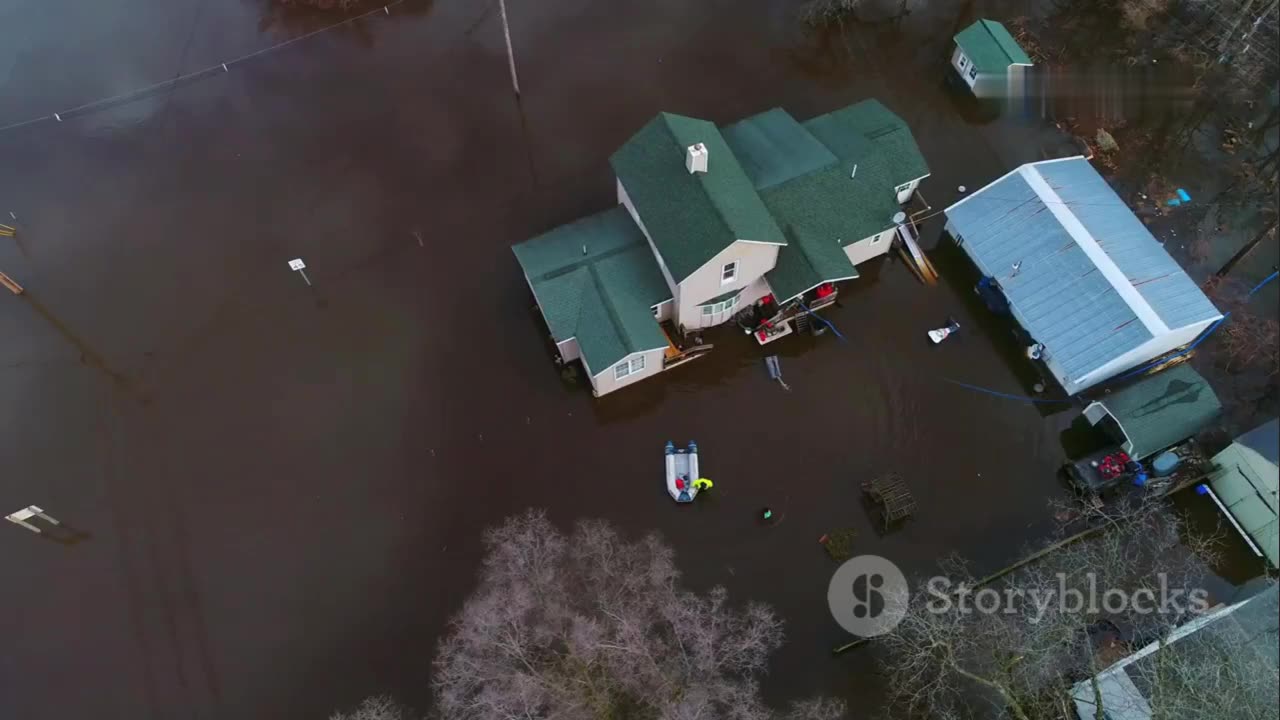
[943, 333]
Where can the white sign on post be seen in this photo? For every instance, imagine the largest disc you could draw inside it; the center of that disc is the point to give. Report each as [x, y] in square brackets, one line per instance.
[300, 267]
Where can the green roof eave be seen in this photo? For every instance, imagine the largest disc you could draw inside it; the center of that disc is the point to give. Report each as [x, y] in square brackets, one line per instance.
[723, 296]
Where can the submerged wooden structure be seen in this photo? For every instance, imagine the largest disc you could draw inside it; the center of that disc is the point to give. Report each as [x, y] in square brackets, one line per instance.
[891, 493]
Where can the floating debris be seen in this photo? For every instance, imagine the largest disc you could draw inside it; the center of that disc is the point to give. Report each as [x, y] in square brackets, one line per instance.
[775, 371]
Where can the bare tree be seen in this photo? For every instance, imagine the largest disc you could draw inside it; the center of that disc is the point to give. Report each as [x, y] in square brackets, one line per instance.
[1246, 340]
[1214, 674]
[1013, 642]
[379, 707]
[591, 625]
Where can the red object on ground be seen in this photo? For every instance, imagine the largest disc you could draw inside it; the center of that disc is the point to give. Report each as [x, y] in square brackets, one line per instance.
[762, 335]
[825, 290]
[766, 299]
[679, 484]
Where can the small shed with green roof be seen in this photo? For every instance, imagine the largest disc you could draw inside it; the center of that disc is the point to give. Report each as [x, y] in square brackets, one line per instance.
[989, 60]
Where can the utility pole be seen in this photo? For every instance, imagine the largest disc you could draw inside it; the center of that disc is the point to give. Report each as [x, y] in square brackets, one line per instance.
[511, 55]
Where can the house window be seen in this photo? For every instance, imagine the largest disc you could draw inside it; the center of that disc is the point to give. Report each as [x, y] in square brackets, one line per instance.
[973, 72]
[729, 273]
[720, 307]
[963, 61]
[628, 367]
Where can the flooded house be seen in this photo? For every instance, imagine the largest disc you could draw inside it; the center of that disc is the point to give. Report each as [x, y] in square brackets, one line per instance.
[758, 221]
[1093, 293]
[989, 61]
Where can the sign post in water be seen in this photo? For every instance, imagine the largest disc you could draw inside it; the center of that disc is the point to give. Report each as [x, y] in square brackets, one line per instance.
[301, 268]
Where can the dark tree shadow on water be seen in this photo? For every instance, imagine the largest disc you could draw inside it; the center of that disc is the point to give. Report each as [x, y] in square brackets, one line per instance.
[355, 21]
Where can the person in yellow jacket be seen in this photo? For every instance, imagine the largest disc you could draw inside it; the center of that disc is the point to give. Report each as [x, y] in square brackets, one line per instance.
[703, 484]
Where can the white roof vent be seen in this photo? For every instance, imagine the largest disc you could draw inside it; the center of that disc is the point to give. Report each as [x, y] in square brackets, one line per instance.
[696, 158]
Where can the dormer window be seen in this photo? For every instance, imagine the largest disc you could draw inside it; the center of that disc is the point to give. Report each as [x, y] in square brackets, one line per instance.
[729, 273]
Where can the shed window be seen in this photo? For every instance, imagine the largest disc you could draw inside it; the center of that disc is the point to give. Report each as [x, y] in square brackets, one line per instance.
[973, 72]
[902, 188]
[729, 273]
[628, 367]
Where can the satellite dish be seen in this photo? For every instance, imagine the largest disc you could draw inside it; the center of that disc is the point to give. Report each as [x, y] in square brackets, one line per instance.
[899, 218]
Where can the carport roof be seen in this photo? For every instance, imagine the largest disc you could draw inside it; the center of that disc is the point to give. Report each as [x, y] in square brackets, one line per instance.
[1162, 410]
[1082, 274]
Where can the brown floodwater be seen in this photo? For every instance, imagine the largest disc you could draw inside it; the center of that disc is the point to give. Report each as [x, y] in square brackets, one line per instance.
[280, 488]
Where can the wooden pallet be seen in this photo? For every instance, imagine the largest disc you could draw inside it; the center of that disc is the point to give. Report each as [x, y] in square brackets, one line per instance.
[893, 496]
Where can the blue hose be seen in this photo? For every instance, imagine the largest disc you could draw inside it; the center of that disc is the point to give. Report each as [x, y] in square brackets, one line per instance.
[1260, 285]
[824, 320]
[1006, 395]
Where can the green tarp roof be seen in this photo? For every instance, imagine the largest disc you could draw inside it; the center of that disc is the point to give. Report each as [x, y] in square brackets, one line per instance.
[691, 217]
[990, 47]
[1162, 410]
[603, 297]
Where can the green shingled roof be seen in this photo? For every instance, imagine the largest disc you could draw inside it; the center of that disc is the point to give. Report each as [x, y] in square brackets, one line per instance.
[990, 47]
[873, 137]
[602, 297]
[773, 148]
[828, 183]
[691, 217]
[1164, 409]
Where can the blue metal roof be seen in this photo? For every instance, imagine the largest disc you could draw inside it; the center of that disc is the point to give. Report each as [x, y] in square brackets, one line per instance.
[1088, 300]
[1166, 287]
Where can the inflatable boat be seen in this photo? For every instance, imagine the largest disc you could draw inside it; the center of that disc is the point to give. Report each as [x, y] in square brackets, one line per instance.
[682, 470]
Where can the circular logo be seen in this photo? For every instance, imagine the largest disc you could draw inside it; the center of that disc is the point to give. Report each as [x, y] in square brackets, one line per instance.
[868, 595]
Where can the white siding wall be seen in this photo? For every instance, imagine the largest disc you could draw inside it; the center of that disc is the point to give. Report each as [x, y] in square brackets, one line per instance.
[625, 201]
[603, 383]
[905, 195]
[569, 350]
[961, 63]
[665, 310]
[870, 248]
[754, 260]
[1150, 350]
